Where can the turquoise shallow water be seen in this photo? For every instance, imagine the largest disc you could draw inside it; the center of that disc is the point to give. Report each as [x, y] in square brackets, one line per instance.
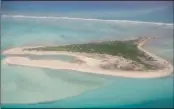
[65, 58]
[58, 88]
[121, 92]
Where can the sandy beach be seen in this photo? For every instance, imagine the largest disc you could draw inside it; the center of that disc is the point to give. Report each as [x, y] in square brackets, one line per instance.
[91, 65]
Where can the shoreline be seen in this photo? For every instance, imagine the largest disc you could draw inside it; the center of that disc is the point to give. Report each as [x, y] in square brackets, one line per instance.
[90, 67]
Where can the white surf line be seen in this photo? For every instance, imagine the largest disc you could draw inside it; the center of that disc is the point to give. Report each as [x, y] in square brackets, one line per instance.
[91, 19]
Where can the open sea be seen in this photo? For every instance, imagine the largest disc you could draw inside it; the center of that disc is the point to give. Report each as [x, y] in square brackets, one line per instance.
[27, 87]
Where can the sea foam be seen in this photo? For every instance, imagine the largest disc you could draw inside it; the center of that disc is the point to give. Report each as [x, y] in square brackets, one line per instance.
[28, 85]
[75, 18]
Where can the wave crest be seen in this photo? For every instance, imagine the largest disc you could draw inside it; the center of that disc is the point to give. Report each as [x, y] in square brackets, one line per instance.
[168, 25]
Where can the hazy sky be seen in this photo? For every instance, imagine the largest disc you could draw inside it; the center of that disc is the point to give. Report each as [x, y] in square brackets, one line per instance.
[154, 11]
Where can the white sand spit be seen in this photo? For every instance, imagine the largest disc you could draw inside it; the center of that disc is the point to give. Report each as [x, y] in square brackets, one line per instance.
[91, 65]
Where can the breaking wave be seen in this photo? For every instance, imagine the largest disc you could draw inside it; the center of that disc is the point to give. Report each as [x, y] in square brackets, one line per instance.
[29, 85]
[100, 20]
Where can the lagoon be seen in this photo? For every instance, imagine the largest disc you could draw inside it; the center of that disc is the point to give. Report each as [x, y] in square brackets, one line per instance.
[73, 89]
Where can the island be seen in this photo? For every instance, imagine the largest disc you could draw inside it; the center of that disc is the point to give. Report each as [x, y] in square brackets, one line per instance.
[125, 58]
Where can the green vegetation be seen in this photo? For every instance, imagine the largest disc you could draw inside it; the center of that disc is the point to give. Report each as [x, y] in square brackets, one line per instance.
[126, 49]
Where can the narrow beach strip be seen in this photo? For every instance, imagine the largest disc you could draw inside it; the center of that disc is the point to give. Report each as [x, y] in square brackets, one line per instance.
[90, 67]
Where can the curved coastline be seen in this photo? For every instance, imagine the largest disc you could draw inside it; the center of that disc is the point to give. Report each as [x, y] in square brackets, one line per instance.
[91, 68]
